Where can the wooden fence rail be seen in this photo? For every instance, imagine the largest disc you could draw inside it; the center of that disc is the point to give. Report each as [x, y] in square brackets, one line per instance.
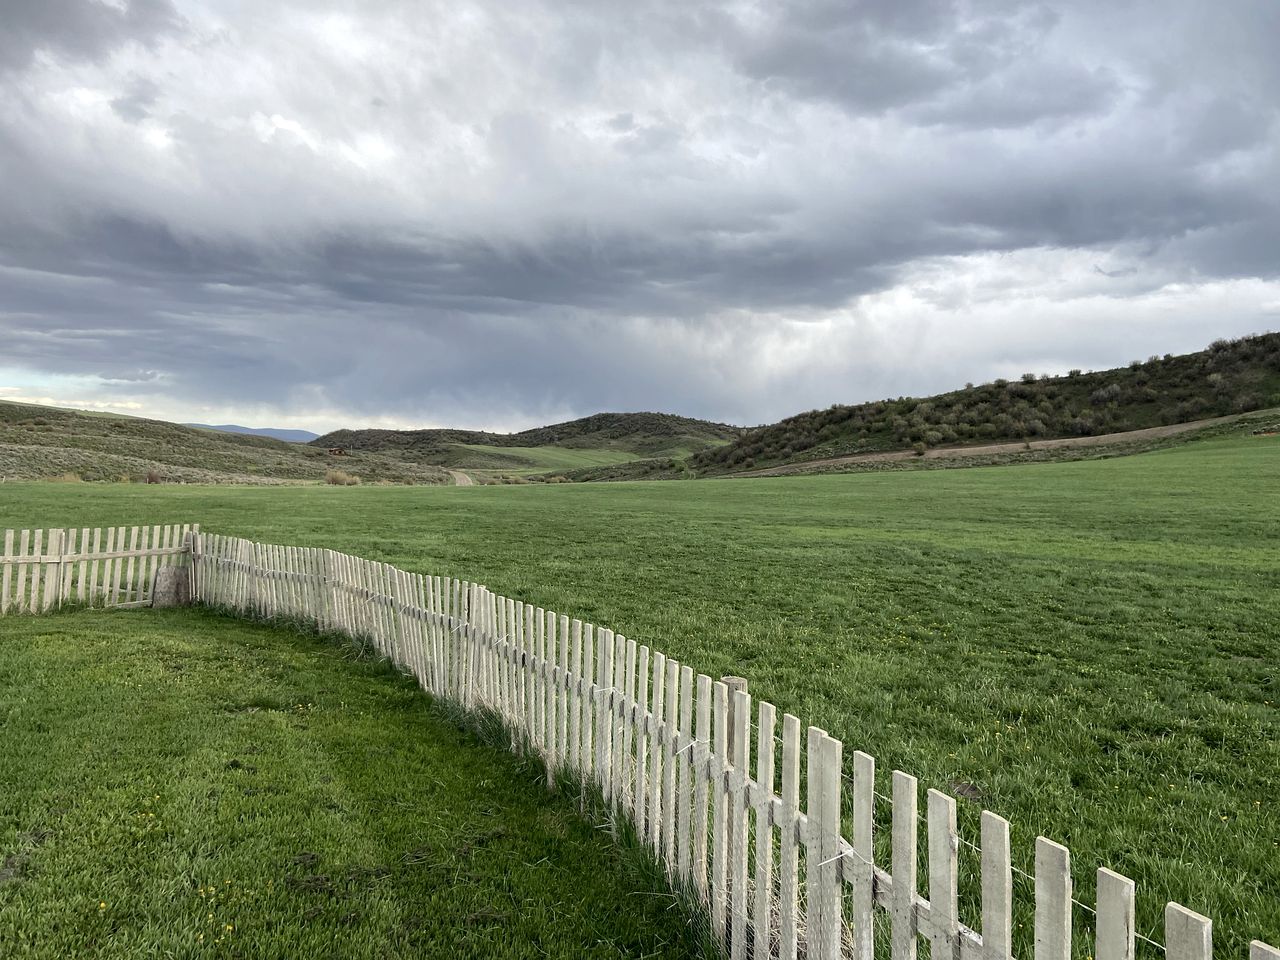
[704, 778]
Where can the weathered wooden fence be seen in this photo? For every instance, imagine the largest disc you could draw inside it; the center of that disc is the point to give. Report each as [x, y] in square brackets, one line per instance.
[42, 569]
[760, 845]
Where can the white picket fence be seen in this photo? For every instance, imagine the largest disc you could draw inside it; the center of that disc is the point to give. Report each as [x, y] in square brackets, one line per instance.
[116, 567]
[681, 756]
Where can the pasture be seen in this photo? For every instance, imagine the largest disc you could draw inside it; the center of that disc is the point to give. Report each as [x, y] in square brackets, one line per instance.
[1086, 648]
[543, 459]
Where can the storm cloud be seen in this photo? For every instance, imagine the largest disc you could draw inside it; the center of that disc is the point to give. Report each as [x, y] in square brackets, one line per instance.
[486, 214]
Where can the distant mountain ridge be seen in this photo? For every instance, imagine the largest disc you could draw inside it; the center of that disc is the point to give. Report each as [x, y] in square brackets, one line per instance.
[275, 433]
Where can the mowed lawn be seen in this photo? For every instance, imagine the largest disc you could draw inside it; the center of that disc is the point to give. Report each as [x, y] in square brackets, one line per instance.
[1090, 648]
[180, 784]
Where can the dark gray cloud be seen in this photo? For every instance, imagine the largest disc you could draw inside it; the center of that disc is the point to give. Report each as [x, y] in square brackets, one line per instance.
[77, 29]
[458, 213]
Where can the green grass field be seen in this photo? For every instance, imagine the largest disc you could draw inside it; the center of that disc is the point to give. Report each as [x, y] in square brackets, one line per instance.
[1090, 646]
[544, 459]
[182, 785]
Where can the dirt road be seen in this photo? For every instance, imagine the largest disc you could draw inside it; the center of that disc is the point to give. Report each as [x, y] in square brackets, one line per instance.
[461, 479]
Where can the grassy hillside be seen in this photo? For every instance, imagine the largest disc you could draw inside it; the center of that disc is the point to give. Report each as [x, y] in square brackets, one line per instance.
[38, 442]
[601, 439]
[179, 784]
[1088, 647]
[1229, 377]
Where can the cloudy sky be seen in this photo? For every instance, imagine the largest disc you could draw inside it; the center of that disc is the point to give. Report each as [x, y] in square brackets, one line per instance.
[490, 214]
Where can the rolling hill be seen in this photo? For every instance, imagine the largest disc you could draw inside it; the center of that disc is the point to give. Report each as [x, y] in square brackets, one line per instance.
[996, 421]
[601, 440]
[1231, 376]
[38, 442]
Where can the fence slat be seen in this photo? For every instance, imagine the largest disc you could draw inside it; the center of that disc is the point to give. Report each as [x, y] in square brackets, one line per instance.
[788, 849]
[1187, 935]
[6, 575]
[824, 886]
[863, 900]
[82, 582]
[641, 800]
[997, 889]
[52, 571]
[127, 585]
[587, 746]
[540, 679]
[67, 575]
[763, 810]
[619, 767]
[95, 589]
[658, 692]
[719, 810]
[575, 699]
[1115, 930]
[1053, 901]
[903, 912]
[672, 703]
[554, 697]
[684, 775]
[145, 542]
[701, 761]
[34, 572]
[563, 692]
[944, 891]
[738, 823]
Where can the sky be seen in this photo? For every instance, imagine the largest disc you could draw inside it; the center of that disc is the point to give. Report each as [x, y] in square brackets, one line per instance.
[316, 213]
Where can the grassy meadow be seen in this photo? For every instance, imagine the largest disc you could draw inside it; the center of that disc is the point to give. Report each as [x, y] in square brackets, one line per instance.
[1087, 648]
[544, 459]
[180, 784]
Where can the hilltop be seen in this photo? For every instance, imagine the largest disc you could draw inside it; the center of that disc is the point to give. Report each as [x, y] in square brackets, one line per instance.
[39, 442]
[599, 440]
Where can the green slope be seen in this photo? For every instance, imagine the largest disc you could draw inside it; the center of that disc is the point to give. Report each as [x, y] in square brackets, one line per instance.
[1229, 377]
[601, 439]
[38, 442]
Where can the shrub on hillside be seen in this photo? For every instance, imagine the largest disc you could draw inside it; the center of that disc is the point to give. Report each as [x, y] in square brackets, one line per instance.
[340, 478]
